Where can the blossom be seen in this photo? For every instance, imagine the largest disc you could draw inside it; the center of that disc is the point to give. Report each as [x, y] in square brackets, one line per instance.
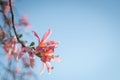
[24, 21]
[10, 47]
[31, 52]
[45, 50]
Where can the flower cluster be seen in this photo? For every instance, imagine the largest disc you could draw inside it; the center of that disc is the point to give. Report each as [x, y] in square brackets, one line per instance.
[16, 48]
[44, 51]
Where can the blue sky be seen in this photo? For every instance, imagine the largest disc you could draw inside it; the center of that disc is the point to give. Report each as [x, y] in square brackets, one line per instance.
[89, 35]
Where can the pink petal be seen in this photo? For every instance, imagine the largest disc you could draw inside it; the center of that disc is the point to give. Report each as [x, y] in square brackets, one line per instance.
[28, 49]
[31, 59]
[41, 50]
[50, 50]
[24, 21]
[42, 69]
[48, 66]
[46, 35]
[9, 54]
[22, 52]
[53, 43]
[36, 36]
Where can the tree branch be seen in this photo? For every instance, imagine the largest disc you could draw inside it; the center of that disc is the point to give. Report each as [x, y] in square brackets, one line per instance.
[13, 25]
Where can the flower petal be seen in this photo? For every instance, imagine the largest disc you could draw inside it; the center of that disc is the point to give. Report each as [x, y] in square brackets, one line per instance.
[20, 54]
[46, 35]
[24, 21]
[41, 50]
[9, 54]
[36, 36]
[48, 65]
[53, 43]
[31, 59]
[42, 69]
[49, 52]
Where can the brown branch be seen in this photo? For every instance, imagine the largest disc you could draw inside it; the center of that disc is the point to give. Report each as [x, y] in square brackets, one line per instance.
[13, 25]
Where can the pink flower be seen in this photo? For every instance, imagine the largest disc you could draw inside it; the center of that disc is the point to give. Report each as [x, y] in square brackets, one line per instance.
[24, 21]
[31, 52]
[46, 47]
[45, 50]
[10, 47]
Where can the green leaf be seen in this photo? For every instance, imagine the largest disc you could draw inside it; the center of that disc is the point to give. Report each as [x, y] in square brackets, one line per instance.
[32, 44]
[20, 35]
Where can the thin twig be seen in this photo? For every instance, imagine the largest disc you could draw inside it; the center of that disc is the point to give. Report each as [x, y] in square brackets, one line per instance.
[13, 25]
